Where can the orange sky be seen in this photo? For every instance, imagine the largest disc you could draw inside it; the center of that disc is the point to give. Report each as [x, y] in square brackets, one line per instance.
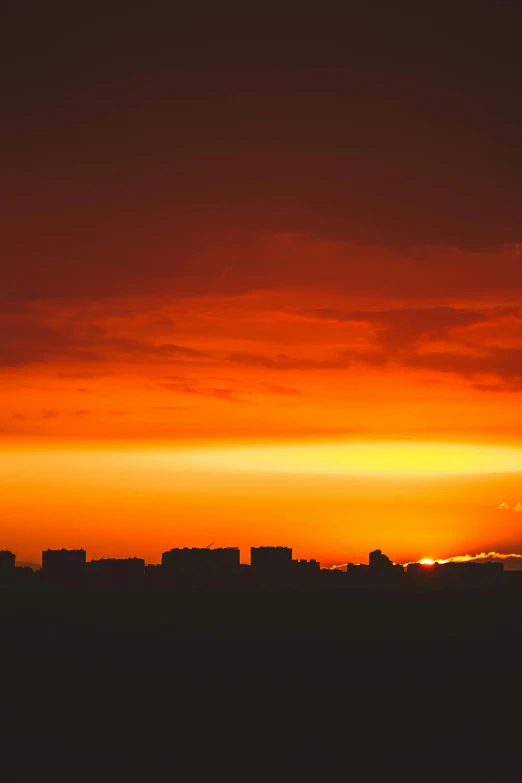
[126, 376]
[216, 233]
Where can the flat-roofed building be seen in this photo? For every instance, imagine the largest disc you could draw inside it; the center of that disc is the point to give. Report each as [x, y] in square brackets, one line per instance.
[116, 572]
[198, 566]
[64, 566]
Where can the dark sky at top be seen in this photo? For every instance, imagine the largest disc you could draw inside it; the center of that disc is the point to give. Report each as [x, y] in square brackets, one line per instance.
[130, 130]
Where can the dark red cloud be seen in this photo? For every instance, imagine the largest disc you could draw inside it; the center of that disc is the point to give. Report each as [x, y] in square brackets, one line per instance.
[440, 339]
[137, 142]
[29, 340]
[401, 335]
[504, 363]
[403, 328]
[191, 386]
[372, 152]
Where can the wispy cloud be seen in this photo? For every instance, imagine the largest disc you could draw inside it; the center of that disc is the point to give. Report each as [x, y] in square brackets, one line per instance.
[194, 387]
[402, 335]
[282, 361]
[29, 340]
[511, 558]
[509, 507]
[283, 390]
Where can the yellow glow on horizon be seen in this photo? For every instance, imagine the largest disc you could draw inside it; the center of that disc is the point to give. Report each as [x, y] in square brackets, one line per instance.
[388, 459]
[427, 561]
[334, 501]
[363, 458]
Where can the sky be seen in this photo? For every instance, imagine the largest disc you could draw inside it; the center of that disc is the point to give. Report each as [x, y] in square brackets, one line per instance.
[261, 278]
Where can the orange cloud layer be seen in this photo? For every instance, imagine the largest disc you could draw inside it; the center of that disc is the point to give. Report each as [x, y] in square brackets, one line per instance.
[289, 361]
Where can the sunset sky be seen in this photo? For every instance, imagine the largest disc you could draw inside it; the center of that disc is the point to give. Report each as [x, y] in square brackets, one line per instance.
[261, 279]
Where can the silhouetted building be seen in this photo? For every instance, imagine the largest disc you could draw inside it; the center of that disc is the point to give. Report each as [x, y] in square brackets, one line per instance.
[358, 574]
[357, 568]
[116, 572]
[305, 572]
[513, 579]
[196, 566]
[333, 579]
[420, 570]
[381, 572]
[153, 576]
[271, 565]
[26, 578]
[7, 564]
[65, 567]
[270, 558]
[380, 561]
[306, 566]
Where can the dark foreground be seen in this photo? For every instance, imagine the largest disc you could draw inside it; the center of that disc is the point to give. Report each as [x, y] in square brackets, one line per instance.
[271, 686]
[262, 615]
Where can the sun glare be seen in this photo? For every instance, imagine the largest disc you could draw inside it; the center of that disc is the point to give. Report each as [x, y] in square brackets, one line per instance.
[427, 561]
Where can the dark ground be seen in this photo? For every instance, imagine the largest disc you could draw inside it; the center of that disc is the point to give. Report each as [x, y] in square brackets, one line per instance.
[412, 616]
[260, 686]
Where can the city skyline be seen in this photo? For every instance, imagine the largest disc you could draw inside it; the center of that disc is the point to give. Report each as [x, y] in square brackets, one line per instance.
[510, 561]
[270, 567]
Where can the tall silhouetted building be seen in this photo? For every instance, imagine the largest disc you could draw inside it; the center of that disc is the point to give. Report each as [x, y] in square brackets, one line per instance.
[201, 566]
[382, 571]
[7, 564]
[380, 561]
[271, 565]
[268, 558]
[64, 566]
